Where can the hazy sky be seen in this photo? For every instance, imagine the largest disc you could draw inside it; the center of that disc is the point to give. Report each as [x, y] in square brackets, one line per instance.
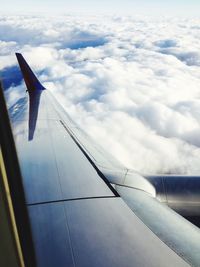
[151, 7]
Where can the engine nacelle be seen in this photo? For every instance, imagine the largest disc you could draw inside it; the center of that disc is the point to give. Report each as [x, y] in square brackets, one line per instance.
[181, 193]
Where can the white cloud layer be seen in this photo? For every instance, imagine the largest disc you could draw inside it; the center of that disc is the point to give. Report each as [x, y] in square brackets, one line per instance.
[132, 83]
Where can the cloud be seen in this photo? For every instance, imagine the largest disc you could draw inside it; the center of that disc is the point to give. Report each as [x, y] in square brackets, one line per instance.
[131, 83]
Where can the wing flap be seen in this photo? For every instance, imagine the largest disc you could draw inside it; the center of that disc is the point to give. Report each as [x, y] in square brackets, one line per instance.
[175, 231]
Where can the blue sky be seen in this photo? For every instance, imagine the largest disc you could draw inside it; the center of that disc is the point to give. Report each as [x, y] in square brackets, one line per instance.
[151, 7]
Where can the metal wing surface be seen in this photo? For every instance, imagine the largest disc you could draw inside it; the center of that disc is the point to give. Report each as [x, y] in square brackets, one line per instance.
[85, 208]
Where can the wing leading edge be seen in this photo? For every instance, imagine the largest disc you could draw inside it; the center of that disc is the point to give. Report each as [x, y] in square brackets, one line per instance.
[77, 217]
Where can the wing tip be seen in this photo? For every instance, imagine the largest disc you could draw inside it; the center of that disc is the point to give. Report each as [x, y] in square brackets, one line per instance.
[32, 83]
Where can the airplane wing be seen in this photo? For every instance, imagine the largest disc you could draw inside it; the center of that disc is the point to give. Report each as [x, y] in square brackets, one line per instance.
[86, 209]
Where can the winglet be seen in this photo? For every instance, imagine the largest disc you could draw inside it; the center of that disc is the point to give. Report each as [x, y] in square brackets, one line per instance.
[32, 83]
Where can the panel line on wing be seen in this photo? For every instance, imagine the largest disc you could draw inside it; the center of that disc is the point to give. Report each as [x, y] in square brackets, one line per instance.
[67, 199]
[90, 160]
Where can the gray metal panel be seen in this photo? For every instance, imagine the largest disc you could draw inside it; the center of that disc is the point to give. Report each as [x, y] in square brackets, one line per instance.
[38, 166]
[182, 236]
[51, 235]
[77, 176]
[96, 232]
[53, 166]
[105, 232]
